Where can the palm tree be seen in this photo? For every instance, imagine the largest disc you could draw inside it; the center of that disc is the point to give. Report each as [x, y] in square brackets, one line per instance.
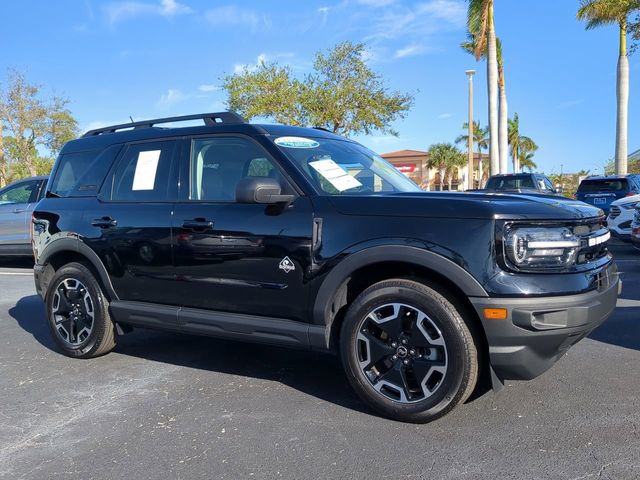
[526, 161]
[605, 12]
[480, 24]
[519, 144]
[481, 139]
[443, 157]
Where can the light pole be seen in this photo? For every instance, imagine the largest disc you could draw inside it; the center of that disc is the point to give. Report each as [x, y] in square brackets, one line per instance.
[470, 74]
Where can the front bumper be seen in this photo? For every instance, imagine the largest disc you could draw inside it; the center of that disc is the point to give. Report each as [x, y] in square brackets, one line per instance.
[539, 330]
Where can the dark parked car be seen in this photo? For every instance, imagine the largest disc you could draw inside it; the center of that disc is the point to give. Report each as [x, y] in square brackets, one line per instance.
[300, 238]
[17, 201]
[520, 182]
[602, 191]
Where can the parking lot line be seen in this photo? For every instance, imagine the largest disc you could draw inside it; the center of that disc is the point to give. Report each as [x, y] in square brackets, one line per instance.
[26, 274]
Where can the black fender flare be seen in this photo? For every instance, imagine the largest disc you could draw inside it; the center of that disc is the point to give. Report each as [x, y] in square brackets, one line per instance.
[394, 253]
[71, 244]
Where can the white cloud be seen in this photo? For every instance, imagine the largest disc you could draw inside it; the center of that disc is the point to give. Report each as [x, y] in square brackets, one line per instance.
[237, 17]
[442, 116]
[323, 10]
[208, 88]
[120, 11]
[169, 99]
[409, 51]
[419, 20]
[239, 68]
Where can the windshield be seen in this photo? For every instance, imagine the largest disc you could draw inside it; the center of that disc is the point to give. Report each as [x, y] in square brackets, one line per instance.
[613, 185]
[338, 167]
[512, 182]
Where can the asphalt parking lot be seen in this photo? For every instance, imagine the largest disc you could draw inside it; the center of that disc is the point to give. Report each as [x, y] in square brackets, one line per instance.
[168, 406]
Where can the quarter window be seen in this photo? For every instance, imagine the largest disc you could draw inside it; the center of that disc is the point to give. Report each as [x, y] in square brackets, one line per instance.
[143, 173]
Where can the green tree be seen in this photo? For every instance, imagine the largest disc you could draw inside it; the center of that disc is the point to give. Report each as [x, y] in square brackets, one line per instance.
[32, 126]
[342, 94]
[606, 12]
[520, 145]
[481, 139]
[446, 158]
[480, 24]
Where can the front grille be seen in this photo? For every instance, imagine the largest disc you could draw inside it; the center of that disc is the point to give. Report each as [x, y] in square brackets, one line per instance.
[614, 212]
[594, 238]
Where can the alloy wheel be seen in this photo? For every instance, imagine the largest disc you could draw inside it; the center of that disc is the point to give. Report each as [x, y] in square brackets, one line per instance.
[73, 311]
[401, 352]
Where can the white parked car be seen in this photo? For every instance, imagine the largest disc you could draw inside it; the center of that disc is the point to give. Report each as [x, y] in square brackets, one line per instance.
[621, 215]
[635, 228]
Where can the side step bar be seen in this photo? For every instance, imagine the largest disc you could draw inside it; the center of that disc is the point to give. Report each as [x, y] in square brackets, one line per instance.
[234, 326]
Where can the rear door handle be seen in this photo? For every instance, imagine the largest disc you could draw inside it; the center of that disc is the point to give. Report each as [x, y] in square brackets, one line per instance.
[18, 210]
[104, 222]
[198, 225]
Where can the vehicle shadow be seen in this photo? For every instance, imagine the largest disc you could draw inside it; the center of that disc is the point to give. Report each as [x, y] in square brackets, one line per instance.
[16, 262]
[623, 329]
[316, 374]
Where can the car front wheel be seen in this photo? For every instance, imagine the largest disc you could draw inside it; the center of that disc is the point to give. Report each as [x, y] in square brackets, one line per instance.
[407, 351]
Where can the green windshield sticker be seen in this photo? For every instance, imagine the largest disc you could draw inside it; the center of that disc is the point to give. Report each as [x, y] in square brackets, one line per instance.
[296, 142]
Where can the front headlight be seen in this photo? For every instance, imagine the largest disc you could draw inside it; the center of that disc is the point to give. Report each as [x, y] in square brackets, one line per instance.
[539, 248]
[629, 206]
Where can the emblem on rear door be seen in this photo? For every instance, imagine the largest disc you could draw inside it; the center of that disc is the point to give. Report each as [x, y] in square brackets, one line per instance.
[287, 265]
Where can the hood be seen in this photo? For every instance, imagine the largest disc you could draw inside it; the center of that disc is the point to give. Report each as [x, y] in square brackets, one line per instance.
[498, 206]
[625, 200]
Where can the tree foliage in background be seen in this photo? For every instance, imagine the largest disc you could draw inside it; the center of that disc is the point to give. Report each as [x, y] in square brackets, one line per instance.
[522, 147]
[481, 139]
[34, 128]
[342, 94]
[446, 158]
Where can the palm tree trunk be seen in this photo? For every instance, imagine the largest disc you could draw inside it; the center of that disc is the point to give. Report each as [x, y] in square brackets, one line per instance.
[503, 116]
[480, 168]
[622, 94]
[492, 87]
[441, 179]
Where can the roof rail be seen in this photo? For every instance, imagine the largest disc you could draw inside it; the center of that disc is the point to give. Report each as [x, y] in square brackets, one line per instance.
[209, 119]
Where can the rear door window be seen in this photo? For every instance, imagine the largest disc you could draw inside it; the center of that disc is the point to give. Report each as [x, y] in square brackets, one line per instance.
[143, 173]
[24, 192]
[613, 185]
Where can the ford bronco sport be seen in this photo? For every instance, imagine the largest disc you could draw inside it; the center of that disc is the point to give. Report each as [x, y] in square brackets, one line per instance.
[298, 237]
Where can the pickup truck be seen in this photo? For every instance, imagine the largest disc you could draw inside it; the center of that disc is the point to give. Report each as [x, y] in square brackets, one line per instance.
[520, 182]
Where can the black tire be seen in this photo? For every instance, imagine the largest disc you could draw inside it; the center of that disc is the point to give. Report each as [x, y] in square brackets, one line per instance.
[420, 399]
[90, 332]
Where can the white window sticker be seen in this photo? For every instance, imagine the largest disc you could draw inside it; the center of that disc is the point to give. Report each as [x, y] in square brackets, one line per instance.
[335, 174]
[146, 168]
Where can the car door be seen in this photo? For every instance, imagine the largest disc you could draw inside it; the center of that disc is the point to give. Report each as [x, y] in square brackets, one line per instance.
[15, 203]
[129, 223]
[235, 257]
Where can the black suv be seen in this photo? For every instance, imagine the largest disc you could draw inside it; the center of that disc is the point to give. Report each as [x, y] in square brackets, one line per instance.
[298, 237]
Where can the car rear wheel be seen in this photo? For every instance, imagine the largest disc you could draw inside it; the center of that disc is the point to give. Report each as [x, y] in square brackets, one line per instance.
[78, 314]
[407, 351]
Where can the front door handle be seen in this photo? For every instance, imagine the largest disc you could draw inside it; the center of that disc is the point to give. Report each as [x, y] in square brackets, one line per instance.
[104, 222]
[198, 225]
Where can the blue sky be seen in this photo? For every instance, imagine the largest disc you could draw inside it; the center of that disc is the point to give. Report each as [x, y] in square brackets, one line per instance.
[149, 58]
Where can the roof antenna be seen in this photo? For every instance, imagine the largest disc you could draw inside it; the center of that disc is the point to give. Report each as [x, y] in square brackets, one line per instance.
[130, 118]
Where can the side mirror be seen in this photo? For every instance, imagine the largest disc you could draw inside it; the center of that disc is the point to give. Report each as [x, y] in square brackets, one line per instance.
[261, 190]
